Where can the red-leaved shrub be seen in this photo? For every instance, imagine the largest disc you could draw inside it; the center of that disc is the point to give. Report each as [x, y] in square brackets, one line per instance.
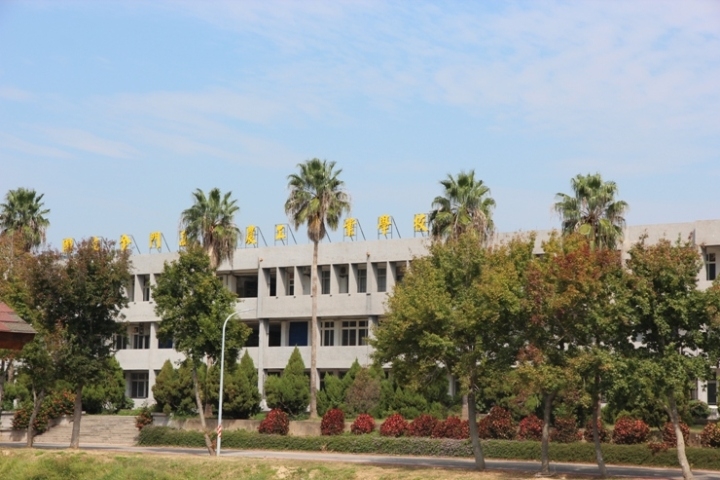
[422, 426]
[602, 432]
[333, 422]
[530, 428]
[657, 447]
[497, 424]
[452, 427]
[394, 426]
[710, 436]
[276, 422]
[629, 431]
[364, 423]
[565, 430]
[668, 434]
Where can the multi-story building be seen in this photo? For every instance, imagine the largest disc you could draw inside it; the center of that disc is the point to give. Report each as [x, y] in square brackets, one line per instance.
[272, 285]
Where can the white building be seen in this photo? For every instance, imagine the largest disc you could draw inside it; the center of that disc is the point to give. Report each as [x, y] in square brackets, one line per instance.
[273, 289]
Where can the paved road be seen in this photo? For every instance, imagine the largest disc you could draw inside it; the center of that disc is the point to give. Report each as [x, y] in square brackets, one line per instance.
[407, 461]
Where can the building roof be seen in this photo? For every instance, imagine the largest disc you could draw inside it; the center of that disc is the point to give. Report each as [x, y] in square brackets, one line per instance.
[14, 331]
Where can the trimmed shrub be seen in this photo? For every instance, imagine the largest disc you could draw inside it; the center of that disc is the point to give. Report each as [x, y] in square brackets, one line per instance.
[629, 431]
[53, 406]
[497, 424]
[332, 394]
[333, 422]
[276, 422]
[394, 426]
[565, 430]
[452, 427]
[602, 432]
[699, 409]
[530, 428]
[668, 434]
[291, 390]
[710, 436]
[422, 426]
[144, 418]
[364, 423]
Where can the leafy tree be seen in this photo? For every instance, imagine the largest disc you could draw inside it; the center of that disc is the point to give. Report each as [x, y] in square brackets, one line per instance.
[108, 393]
[290, 391]
[41, 370]
[23, 214]
[363, 395]
[332, 395]
[241, 397]
[465, 205]
[210, 222]
[80, 295]
[461, 308]
[592, 210]
[318, 200]
[173, 390]
[192, 304]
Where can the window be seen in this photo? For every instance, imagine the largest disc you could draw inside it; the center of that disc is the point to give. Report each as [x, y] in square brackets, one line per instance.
[130, 289]
[165, 344]
[362, 280]
[141, 337]
[290, 281]
[298, 334]
[145, 287]
[354, 332]
[342, 272]
[138, 385]
[120, 342]
[246, 286]
[710, 266]
[399, 273]
[272, 285]
[712, 392]
[325, 282]
[254, 338]
[274, 335]
[327, 334]
[381, 278]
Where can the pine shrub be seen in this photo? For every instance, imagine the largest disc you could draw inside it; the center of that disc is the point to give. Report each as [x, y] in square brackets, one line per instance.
[394, 426]
[364, 423]
[530, 428]
[668, 434]
[565, 430]
[710, 436]
[422, 426]
[452, 427]
[602, 432]
[333, 422]
[291, 390]
[497, 424]
[276, 422]
[629, 431]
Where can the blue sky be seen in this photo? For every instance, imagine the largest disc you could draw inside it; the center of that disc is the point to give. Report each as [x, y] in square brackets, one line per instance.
[117, 111]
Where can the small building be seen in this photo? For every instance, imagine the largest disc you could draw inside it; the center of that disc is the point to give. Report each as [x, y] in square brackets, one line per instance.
[14, 331]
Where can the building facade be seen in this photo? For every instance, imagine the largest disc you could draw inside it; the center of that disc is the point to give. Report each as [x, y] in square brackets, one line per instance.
[272, 285]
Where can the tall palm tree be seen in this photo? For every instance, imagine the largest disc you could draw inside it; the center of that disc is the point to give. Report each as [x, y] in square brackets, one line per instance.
[210, 222]
[317, 199]
[593, 211]
[23, 214]
[465, 205]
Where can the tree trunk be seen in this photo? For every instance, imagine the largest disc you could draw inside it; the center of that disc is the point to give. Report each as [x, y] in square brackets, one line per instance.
[464, 413]
[474, 434]
[545, 448]
[208, 406]
[596, 432]
[201, 414]
[682, 458]
[314, 334]
[37, 403]
[77, 416]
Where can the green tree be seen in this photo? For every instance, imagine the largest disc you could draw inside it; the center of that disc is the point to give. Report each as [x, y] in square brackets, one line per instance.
[332, 394]
[241, 397]
[363, 395]
[192, 304]
[80, 295]
[23, 215]
[465, 205]
[675, 322]
[318, 200]
[290, 391]
[210, 222]
[40, 368]
[592, 210]
[173, 390]
[461, 308]
[108, 393]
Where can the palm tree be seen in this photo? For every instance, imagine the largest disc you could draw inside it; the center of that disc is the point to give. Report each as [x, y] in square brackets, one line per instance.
[317, 199]
[465, 205]
[210, 222]
[592, 210]
[23, 214]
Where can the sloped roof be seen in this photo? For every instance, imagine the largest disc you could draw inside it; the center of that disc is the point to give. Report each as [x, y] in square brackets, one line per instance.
[14, 331]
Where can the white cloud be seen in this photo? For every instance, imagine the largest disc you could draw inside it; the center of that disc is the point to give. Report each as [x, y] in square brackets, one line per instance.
[87, 142]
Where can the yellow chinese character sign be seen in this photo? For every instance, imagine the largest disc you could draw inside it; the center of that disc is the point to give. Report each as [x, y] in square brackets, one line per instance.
[125, 242]
[420, 223]
[67, 245]
[349, 227]
[280, 233]
[251, 235]
[96, 243]
[384, 223]
[182, 242]
[156, 241]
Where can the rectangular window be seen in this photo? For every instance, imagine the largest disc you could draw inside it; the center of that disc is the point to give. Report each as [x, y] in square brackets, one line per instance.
[145, 287]
[362, 280]
[710, 266]
[290, 281]
[712, 392]
[254, 338]
[381, 278]
[298, 334]
[121, 342]
[342, 272]
[138, 385]
[274, 335]
[399, 273]
[328, 334]
[130, 289]
[141, 337]
[272, 284]
[165, 344]
[354, 332]
[325, 282]
[246, 286]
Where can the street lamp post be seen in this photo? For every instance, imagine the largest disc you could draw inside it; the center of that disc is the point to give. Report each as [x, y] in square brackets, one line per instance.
[222, 374]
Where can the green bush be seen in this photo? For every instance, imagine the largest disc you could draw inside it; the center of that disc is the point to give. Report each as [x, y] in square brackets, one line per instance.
[241, 397]
[108, 394]
[699, 410]
[332, 394]
[173, 389]
[289, 392]
[363, 395]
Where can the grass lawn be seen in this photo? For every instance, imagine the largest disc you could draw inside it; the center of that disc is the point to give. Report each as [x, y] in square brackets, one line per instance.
[62, 465]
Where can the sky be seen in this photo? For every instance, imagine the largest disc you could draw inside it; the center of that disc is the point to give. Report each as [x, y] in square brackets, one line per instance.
[118, 111]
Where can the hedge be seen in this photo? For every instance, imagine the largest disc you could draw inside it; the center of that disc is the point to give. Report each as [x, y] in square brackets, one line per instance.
[702, 458]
